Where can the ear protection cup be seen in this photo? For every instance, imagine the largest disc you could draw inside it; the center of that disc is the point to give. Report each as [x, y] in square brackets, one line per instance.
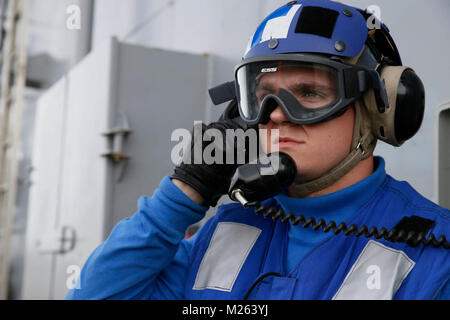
[410, 106]
[403, 116]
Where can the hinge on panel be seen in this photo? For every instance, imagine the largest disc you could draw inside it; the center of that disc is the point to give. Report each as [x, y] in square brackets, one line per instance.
[116, 137]
[59, 241]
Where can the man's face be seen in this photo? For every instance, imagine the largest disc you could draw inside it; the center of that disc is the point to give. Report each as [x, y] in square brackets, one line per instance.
[315, 148]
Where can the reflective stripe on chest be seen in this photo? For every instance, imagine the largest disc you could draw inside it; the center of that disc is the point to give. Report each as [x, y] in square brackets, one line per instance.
[377, 274]
[227, 251]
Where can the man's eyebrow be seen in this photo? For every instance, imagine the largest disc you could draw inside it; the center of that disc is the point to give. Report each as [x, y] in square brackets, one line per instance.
[269, 86]
[302, 85]
[265, 86]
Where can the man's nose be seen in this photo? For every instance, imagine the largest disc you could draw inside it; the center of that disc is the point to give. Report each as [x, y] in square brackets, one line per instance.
[278, 116]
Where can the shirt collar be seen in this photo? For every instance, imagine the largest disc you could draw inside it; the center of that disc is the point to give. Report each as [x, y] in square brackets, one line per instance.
[339, 205]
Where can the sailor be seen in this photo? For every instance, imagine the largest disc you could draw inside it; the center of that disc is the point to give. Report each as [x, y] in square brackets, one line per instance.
[331, 88]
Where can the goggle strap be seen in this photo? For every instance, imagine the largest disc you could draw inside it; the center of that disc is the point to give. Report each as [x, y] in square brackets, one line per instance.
[379, 88]
[353, 82]
[223, 93]
[357, 81]
[362, 151]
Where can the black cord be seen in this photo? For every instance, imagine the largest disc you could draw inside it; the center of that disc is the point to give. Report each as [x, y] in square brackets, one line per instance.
[268, 274]
[411, 238]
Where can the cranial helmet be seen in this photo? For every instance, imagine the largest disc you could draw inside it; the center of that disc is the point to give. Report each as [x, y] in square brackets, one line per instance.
[349, 62]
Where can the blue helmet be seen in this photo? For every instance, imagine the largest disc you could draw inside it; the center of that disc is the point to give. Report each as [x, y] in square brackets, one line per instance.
[316, 26]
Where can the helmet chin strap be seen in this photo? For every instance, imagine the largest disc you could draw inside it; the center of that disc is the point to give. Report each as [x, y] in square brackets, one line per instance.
[363, 145]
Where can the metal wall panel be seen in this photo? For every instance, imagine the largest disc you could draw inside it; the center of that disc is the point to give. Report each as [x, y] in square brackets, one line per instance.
[442, 172]
[44, 192]
[175, 87]
[117, 86]
[82, 208]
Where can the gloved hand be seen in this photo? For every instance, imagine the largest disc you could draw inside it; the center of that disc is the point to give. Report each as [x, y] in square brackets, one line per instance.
[212, 181]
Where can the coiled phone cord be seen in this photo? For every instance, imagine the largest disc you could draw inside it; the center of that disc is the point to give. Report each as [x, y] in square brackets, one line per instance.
[393, 235]
[249, 185]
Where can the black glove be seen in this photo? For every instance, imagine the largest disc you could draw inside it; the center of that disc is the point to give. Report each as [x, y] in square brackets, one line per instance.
[212, 181]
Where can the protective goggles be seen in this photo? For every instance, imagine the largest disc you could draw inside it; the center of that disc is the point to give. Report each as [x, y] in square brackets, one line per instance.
[308, 88]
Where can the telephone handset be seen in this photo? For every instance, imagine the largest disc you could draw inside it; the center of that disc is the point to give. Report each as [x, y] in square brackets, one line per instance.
[271, 174]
